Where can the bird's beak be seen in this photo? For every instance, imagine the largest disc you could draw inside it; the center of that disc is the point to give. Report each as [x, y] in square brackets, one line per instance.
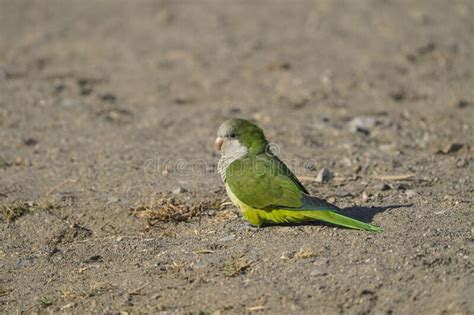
[218, 143]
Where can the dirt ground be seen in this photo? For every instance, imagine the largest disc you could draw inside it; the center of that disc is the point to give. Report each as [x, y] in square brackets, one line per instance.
[109, 198]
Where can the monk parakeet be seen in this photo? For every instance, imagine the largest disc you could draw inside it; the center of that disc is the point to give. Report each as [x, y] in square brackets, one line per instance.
[262, 186]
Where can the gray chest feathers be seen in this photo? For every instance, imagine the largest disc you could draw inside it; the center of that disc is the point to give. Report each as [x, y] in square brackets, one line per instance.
[231, 150]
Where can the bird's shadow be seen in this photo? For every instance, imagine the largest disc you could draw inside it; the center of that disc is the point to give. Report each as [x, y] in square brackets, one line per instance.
[367, 214]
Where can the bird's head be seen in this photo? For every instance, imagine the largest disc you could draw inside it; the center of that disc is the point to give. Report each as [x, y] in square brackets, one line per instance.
[236, 136]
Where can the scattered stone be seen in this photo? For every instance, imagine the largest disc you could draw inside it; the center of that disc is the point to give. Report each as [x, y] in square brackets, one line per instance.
[24, 262]
[463, 104]
[183, 100]
[448, 197]
[400, 186]
[362, 124]
[461, 163]
[324, 176]
[357, 169]
[398, 95]
[421, 52]
[321, 123]
[227, 238]
[322, 261]
[69, 102]
[179, 190]
[287, 255]
[234, 110]
[112, 199]
[451, 148]
[85, 86]
[346, 161]
[365, 196]
[381, 187]
[59, 87]
[342, 193]
[310, 165]
[285, 66]
[94, 258]
[118, 115]
[318, 272]
[20, 161]
[108, 97]
[411, 193]
[4, 163]
[198, 264]
[30, 142]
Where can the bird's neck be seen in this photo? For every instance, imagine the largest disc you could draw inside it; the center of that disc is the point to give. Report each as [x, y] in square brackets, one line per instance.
[228, 158]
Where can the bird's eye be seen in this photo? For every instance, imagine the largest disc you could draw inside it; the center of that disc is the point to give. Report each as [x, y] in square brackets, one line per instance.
[233, 135]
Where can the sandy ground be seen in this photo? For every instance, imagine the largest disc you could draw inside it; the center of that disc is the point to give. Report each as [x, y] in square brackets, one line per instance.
[109, 197]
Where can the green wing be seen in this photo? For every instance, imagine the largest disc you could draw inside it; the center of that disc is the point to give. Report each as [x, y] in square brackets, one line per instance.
[287, 171]
[263, 181]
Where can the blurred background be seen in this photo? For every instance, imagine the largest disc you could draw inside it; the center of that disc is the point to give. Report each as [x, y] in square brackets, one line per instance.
[106, 104]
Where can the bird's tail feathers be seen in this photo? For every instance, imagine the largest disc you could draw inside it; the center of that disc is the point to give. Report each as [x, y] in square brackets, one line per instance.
[339, 219]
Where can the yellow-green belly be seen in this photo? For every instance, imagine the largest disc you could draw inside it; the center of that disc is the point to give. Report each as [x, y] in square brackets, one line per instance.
[257, 217]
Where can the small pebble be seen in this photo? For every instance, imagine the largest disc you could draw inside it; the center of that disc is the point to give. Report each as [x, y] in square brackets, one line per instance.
[178, 190]
[461, 163]
[362, 124]
[411, 193]
[381, 187]
[112, 199]
[448, 197]
[342, 193]
[182, 100]
[365, 196]
[108, 97]
[199, 264]
[94, 258]
[227, 238]
[59, 87]
[286, 255]
[322, 261]
[463, 104]
[318, 272]
[30, 142]
[324, 176]
[451, 148]
[69, 102]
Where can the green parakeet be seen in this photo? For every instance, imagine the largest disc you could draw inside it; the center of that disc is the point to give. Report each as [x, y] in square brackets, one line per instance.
[262, 186]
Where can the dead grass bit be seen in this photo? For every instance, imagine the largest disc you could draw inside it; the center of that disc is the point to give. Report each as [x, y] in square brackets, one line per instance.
[204, 251]
[11, 212]
[64, 182]
[304, 253]
[255, 308]
[5, 292]
[45, 301]
[396, 177]
[137, 290]
[235, 267]
[174, 210]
